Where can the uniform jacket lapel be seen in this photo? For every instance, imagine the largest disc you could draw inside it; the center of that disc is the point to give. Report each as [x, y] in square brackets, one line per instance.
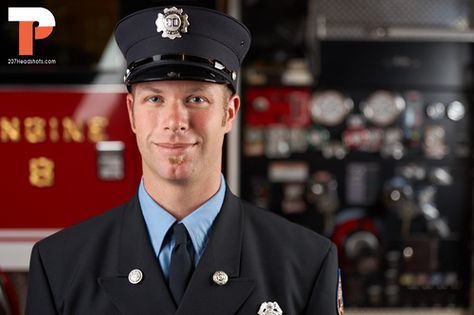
[222, 253]
[151, 295]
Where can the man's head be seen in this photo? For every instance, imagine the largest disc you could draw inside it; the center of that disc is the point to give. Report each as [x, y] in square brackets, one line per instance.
[183, 64]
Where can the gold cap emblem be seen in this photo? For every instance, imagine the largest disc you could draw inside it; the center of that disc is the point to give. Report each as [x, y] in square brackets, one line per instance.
[172, 22]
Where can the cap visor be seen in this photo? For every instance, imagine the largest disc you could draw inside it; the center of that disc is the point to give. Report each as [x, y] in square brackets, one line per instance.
[177, 71]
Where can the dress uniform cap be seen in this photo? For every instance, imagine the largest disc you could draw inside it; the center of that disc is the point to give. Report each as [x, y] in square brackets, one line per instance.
[182, 43]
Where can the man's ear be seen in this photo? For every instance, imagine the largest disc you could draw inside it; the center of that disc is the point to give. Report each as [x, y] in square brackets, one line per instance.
[131, 116]
[232, 110]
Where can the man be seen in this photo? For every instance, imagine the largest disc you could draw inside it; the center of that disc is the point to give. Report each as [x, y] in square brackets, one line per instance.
[185, 244]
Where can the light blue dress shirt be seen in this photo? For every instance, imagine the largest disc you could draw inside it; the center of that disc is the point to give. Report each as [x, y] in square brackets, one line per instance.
[198, 224]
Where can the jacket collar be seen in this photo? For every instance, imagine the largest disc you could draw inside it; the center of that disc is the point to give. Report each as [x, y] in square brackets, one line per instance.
[203, 296]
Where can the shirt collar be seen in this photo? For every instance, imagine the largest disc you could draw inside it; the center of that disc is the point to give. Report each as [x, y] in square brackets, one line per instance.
[198, 223]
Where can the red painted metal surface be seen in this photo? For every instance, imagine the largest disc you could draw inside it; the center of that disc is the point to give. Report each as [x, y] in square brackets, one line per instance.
[75, 192]
[278, 106]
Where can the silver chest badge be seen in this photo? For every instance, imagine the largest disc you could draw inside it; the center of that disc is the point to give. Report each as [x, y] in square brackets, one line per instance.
[172, 22]
[270, 308]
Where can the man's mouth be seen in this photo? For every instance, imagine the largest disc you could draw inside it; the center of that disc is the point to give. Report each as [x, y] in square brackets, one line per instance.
[175, 148]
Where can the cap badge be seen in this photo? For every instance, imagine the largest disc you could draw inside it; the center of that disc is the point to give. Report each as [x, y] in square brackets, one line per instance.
[270, 308]
[172, 22]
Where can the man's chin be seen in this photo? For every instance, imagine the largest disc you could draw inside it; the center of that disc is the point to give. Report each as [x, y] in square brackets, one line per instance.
[178, 171]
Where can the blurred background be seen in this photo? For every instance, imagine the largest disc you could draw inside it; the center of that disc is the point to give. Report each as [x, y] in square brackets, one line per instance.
[356, 123]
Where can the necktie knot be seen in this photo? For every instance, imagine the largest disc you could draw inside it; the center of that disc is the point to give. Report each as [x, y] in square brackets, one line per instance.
[180, 233]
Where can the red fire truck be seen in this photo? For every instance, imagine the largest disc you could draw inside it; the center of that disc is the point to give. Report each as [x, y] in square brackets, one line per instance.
[66, 149]
[65, 152]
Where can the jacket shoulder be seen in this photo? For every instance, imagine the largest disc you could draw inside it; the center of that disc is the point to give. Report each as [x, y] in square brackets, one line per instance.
[91, 235]
[87, 228]
[77, 253]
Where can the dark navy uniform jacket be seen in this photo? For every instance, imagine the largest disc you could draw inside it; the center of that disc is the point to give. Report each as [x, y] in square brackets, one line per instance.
[84, 269]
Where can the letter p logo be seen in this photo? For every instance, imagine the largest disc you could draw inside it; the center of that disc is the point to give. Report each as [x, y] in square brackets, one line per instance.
[26, 34]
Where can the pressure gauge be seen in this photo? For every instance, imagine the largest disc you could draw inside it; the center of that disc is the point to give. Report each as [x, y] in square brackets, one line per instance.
[436, 111]
[261, 104]
[456, 111]
[330, 107]
[382, 108]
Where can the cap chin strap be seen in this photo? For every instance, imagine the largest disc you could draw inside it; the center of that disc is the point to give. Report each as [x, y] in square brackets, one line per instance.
[182, 57]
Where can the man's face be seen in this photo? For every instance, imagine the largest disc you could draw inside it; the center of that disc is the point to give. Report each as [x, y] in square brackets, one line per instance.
[180, 127]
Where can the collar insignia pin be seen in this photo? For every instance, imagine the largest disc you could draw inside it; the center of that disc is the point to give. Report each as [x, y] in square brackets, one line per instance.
[270, 308]
[172, 22]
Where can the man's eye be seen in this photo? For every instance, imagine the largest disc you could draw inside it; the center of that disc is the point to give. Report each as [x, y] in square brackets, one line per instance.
[153, 99]
[196, 99]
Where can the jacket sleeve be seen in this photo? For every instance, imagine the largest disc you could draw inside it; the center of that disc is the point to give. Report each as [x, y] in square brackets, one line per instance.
[40, 298]
[324, 297]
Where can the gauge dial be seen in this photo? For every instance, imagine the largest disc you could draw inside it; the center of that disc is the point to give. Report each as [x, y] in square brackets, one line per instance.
[330, 107]
[382, 108]
[261, 104]
[436, 111]
[456, 111]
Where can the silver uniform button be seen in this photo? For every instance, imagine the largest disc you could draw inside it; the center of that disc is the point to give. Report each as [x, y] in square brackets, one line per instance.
[220, 278]
[135, 276]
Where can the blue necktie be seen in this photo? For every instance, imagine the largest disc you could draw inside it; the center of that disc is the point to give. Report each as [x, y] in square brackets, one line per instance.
[181, 265]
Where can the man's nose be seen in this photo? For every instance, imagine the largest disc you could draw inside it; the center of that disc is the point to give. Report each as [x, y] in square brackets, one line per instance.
[176, 118]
